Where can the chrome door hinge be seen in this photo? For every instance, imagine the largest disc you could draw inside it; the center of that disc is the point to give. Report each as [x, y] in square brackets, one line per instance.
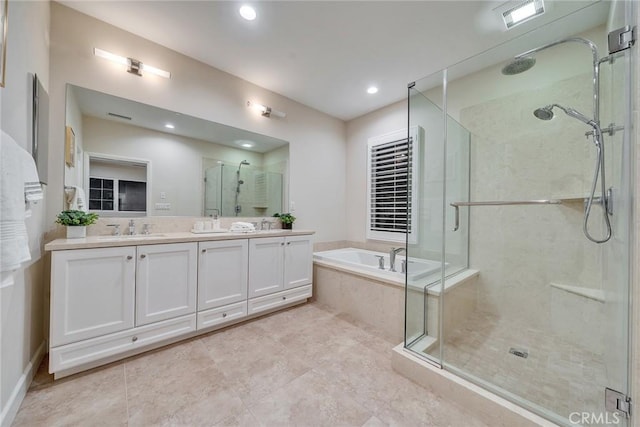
[621, 39]
[614, 401]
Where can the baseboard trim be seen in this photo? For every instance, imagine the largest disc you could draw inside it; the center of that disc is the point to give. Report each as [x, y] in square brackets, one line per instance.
[20, 390]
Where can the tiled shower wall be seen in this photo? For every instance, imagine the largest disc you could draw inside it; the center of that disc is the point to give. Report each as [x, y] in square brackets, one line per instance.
[521, 250]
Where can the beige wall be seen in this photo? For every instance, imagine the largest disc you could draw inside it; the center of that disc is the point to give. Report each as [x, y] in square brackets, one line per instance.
[317, 141]
[21, 304]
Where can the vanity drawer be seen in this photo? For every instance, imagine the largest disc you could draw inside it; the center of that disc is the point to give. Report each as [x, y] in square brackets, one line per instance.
[269, 302]
[221, 315]
[80, 353]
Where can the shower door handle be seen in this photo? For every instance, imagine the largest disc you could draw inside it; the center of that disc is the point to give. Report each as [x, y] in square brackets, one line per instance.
[457, 220]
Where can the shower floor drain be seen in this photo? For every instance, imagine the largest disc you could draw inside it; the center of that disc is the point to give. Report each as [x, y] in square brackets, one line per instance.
[519, 352]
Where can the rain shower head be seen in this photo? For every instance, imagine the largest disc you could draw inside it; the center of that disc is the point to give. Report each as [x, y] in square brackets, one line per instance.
[518, 65]
[245, 163]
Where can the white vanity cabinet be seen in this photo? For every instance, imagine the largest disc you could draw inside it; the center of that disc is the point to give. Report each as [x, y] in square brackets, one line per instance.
[108, 303]
[267, 266]
[222, 281]
[298, 261]
[166, 281]
[92, 293]
[280, 271]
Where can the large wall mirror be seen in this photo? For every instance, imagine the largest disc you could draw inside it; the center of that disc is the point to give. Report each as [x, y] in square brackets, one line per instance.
[132, 159]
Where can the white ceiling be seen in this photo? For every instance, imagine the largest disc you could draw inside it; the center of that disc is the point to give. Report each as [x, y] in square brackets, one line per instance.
[325, 54]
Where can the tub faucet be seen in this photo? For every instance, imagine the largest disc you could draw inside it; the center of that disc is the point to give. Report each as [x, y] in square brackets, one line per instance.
[392, 257]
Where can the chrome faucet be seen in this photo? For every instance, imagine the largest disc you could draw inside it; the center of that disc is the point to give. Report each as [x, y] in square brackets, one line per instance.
[265, 224]
[392, 257]
[116, 229]
[132, 228]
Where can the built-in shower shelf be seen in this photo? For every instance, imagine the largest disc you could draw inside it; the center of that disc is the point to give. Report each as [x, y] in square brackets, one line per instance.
[594, 294]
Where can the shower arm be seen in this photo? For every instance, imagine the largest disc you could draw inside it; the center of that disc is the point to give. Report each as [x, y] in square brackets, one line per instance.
[596, 67]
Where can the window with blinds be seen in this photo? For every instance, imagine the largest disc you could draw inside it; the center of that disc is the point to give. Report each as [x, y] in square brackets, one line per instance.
[391, 187]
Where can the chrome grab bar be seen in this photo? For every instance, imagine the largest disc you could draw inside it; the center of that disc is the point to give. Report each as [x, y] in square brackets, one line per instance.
[457, 205]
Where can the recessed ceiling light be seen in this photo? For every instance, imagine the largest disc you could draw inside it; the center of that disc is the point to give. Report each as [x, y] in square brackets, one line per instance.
[169, 126]
[372, 89]
[248, 13]
[245, 143]
[517, 12]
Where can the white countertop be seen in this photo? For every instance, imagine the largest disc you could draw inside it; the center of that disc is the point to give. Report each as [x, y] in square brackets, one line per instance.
[107, 241]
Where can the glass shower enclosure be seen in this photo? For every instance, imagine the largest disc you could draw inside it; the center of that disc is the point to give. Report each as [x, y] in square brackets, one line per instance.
[525, 304]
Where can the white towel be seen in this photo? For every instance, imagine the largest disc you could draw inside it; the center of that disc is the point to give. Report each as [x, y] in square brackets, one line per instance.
[77, 199]
[19, 187]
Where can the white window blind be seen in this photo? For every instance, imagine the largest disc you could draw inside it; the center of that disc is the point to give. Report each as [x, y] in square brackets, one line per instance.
[391, 188]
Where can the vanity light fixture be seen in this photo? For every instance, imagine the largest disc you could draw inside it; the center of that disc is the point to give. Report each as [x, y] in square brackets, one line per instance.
[266, 111]
[372, 89]
[133, 65]
[517, 11]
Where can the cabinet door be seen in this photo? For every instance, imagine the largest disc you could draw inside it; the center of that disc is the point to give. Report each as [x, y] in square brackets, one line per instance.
[166, 281]
[266, 260]
[222, 273]
[298, 261]
[92, 293]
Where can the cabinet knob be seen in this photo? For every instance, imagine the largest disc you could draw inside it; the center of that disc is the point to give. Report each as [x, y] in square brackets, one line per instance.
[204, 251]
[143, 256]
[134, 339]
[288, 243]
[282, 244]
[284, 297]
[224, 314]
[129, 257]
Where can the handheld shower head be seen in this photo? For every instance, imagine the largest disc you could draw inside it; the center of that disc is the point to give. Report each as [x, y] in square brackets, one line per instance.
[546, 113]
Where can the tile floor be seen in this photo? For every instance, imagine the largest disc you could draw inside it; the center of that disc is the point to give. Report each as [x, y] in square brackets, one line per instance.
[306, 366]
[557, 375]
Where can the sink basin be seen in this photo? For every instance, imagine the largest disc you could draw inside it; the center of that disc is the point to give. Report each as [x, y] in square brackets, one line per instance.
[130, 237]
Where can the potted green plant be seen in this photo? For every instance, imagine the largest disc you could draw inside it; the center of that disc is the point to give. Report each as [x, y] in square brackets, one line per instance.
[76, 222]
[286, 219]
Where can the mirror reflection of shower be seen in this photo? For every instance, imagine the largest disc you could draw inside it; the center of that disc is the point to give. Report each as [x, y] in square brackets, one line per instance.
[239, 182]
[524, 62]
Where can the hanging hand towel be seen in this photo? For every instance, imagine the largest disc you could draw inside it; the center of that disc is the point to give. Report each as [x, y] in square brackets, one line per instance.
[19, 185]
[76, 199]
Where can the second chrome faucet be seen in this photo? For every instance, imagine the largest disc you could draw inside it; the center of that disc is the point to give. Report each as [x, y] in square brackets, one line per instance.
[392, 257]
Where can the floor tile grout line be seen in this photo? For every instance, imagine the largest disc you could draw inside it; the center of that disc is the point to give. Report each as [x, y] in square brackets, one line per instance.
[126, 391]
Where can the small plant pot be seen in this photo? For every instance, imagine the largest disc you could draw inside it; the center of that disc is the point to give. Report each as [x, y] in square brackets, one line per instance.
[288, 226]
[76, 231]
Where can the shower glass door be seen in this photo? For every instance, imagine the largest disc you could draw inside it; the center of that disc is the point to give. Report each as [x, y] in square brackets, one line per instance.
[539, 313]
